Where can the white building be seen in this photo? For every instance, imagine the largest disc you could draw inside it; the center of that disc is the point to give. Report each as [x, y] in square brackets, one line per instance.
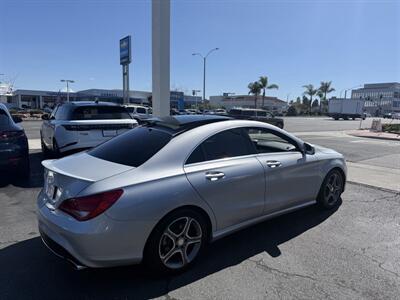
[270, 103]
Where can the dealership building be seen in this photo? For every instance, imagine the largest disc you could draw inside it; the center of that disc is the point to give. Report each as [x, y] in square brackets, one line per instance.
[379, 97]
[40, 99]
[270, 103]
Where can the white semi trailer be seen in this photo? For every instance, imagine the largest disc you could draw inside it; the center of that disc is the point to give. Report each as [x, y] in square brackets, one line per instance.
[346, 109]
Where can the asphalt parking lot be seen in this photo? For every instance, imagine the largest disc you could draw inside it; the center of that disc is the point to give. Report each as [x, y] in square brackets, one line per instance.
[349, 253]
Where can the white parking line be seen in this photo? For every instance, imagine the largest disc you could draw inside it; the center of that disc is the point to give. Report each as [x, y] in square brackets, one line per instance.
[34, 144]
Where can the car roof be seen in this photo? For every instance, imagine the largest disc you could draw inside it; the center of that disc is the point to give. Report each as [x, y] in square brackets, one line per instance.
[91, 103]
[181, 123]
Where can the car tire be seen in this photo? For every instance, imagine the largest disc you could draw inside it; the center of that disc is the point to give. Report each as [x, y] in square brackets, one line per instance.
[24, 169]
[56, 150]
[45, 150]
[332, 187]
[172, 246]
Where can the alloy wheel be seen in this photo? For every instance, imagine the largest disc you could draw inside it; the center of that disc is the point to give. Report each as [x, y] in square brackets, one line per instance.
[333, 188]
[180, 242]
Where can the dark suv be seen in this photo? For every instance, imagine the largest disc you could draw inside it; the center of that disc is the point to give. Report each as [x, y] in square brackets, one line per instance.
[14, 151]
[256, 115]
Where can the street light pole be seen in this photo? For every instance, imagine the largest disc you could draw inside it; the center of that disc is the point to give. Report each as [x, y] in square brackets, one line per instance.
[67, 81]
[204, 71]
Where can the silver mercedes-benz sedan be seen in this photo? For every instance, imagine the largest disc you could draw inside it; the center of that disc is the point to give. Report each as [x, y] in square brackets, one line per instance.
[160, 192]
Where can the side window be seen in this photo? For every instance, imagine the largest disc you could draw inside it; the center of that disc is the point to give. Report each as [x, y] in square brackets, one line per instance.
[267, 141]
[229, 143]
[261, 113]
[54, 112]
[141, 110]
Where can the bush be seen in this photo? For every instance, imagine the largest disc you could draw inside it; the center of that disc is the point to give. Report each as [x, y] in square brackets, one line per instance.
[394, 128]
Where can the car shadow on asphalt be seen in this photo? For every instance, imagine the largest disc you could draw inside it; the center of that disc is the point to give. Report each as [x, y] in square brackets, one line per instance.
[29, 270]
[35, 178]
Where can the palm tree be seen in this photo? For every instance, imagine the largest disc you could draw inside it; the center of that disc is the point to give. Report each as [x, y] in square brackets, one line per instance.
[325, 89]
[264, 86]
[310, 91]
[255, 89]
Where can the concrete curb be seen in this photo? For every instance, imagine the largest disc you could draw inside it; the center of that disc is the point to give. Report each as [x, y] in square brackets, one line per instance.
[377, 137]
[373, 187]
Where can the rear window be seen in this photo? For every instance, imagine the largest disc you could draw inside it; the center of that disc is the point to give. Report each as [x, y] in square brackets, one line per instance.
[132, 148]
[141, 110]
[100, 113]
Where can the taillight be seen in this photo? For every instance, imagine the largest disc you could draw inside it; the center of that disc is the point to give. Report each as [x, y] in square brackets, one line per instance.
[11, 134]
[88, 207]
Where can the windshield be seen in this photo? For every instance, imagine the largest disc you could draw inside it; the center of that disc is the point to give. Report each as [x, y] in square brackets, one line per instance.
[100, 113]
[134, 147]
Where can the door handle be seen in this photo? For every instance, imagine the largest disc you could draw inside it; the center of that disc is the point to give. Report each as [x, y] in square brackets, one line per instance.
[213, 176]
[273, 163]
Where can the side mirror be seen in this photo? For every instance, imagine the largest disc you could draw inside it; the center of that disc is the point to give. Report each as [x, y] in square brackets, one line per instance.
[308, 149]
[45, 117]
[17, 119]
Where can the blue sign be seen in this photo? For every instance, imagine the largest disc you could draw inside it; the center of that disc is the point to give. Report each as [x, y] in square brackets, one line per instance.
[125, 50]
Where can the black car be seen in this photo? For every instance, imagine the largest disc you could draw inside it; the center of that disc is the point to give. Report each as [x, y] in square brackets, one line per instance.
[14, 151]
[256, 115]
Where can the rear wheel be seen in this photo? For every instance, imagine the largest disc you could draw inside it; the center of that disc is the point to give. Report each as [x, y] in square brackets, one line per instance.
[56, 150]
[45, 150]
[24, 169]
[331, 190]
[177, 241]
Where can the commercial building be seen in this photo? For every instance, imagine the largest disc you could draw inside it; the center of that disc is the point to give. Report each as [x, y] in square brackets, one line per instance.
[272, 104]
[379, 98]
[40, 99]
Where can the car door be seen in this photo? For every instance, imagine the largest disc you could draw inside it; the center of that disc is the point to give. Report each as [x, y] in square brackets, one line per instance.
[48, 128]
[292, 178]
[226, 174]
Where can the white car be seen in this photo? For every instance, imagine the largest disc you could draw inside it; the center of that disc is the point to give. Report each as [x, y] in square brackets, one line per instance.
[139, 112]
[80, 125]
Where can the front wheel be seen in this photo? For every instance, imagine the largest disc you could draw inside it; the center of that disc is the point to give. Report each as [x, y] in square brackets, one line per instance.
[177, 241]
[331, 190]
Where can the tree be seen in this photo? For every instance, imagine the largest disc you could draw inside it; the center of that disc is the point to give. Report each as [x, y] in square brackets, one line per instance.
[255, 89]
[264, 86]
[325, 88]
[291, 111]
[311, 92]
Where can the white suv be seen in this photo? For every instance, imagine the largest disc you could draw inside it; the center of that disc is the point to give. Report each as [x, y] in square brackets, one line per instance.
[81, 125]
[139, 112]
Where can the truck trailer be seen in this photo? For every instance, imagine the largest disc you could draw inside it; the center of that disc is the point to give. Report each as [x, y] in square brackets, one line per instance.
[346, 109]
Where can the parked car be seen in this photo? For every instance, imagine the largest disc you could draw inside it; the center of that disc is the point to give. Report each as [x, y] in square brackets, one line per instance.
[256, 115]
[387, 115]
[218, 111]
[396, 116]
[139, 112]
[160, 192]
[14, 150]
[80, 125]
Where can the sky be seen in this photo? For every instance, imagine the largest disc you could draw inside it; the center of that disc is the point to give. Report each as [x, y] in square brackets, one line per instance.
[348, 42]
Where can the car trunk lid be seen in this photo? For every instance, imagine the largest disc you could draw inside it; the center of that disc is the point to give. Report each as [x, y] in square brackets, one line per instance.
[67, 177]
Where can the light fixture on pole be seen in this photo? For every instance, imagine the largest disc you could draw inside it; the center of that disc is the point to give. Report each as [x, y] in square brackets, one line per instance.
[68, 81]
[204, 71]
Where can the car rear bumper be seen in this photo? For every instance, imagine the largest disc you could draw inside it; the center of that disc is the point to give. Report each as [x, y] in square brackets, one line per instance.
[100, 242]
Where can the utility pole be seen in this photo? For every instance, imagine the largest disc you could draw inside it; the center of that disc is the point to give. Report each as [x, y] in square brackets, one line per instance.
[67, 81]
[204, 71]
[194, 93]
